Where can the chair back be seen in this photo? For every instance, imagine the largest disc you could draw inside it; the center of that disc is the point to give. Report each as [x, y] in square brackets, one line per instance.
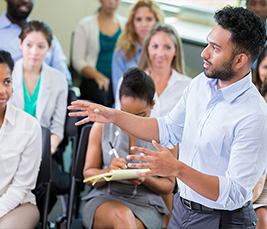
[44, 175]
[78, 174]
[45, 167]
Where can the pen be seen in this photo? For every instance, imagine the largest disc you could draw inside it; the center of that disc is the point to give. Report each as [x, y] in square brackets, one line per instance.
[115, 152]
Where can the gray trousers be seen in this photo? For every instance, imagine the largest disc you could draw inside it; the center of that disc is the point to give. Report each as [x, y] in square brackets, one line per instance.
[185, 218]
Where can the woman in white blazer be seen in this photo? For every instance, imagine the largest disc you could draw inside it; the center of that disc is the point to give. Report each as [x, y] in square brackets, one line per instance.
[93, 44]
[31, 72]
[41, 90]
[20, 156]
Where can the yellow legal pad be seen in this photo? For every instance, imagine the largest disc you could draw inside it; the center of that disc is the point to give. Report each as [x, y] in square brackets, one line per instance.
[120, 174]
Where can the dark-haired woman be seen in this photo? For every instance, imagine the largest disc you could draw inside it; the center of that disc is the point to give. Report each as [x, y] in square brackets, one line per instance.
[39, 89]
[260, 72]
[94, 41]
[20, 156]
[134, 203]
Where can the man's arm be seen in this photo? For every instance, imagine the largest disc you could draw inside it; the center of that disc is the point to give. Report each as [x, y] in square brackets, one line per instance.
[164, 164]
[140, 127]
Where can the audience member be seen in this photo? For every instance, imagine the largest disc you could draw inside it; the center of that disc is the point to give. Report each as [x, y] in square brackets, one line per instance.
[94, 42]
[162, 59]
[143, 15]
[221, 121]
[259, 198]
[259, 7]
[133, 203]
[10, 28]
[39, 89]
[260, 72]
[19, 162]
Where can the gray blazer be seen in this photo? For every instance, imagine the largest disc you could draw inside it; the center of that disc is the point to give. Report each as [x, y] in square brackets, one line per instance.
[51, 105]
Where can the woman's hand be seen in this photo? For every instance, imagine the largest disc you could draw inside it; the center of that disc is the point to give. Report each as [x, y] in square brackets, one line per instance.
[93, 111]
[102, 82]
[137, 181]
[118, 163]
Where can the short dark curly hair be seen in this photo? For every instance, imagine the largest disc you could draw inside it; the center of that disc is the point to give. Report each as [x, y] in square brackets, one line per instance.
[138, 85]
[248, 30]
[5, 58]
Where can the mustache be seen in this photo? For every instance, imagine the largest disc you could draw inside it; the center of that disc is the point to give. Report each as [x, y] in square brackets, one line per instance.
[207, 61]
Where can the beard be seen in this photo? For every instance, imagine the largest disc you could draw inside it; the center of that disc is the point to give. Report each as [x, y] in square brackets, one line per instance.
[16, 13]
[225, 72]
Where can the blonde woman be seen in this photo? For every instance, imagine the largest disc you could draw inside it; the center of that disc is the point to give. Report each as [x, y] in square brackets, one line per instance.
[162, 58]
[143, 15]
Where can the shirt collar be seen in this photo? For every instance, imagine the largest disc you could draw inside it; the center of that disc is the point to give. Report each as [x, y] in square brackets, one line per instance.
[231, 92]
[5, 22]
[10, 113]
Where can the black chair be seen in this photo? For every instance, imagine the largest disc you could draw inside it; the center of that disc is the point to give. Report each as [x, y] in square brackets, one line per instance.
[70, 135]
[77, 178]
[44, 176]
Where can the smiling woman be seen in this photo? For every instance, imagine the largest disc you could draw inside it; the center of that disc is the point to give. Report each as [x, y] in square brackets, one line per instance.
[18, 164]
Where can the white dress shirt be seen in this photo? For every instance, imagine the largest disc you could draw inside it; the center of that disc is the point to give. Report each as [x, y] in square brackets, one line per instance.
[168, 98]
[20, 157]
[223, 133]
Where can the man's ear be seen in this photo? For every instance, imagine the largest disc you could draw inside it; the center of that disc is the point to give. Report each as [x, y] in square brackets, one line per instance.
[240, 60]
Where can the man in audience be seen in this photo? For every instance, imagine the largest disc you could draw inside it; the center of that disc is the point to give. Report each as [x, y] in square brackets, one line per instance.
[221, 121]
[10, 27]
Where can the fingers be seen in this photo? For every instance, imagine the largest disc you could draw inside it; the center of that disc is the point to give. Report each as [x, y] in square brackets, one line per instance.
[158, 146]
[80, 114]
[83, 121]
[118, 163]
[139, 165]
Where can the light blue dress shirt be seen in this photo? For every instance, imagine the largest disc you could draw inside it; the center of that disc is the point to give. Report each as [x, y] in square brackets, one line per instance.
[9, 41]
[120, 65]
[222, 133]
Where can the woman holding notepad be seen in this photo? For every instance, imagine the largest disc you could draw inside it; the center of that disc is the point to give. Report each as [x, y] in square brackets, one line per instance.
[133, 203]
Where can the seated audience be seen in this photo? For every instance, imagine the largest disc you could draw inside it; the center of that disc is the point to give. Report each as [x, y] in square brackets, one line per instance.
[133, 203]
[260, 8]
[260, 72]
[94, 42]
[162, 59]
[143, 15]
[39, 89]
[10, 28]
[259, 198]
[19, 162]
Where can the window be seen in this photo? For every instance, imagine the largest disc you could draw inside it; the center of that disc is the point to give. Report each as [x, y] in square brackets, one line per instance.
[201, 4]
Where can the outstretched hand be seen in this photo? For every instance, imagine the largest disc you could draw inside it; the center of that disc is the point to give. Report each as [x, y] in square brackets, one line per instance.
[91, 111]
[161, 163]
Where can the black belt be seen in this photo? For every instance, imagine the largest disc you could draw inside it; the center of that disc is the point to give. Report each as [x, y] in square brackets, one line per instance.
[195, 206]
